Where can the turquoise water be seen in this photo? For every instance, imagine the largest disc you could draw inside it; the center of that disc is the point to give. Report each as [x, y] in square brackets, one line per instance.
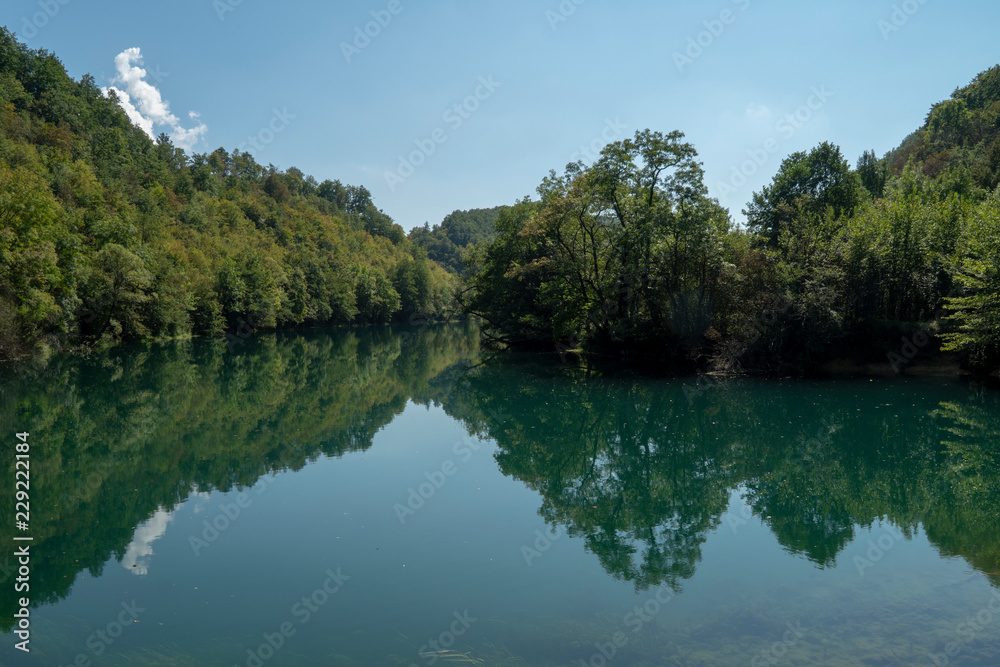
[393, 497]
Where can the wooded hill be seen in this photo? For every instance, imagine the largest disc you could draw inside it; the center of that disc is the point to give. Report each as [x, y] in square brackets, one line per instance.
[109, 236]
[447, 242]
[882, 262]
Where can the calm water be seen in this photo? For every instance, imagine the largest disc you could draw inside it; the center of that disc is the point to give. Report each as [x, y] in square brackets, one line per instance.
[378, 497]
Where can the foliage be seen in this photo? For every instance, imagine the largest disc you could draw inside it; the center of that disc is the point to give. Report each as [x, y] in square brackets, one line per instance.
[642, 472]
[108, 236]
[834, 263]
[460, 230]
[976, 312]
[874, 173]
[638, 472]
[132, 430]
[807, 183]
[959, 134]
[625, 251]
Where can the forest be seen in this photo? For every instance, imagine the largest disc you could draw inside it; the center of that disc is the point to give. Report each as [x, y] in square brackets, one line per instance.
[446, 243]
[107, 236]
[893, 258]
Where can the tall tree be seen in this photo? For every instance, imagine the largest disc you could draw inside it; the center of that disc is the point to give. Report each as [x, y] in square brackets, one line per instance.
[874, 173]
[807, 184]
[625, 250]
[976, 314]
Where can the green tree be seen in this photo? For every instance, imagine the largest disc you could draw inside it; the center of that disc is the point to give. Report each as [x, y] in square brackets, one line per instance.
[248, 292]
[33, 285]
[505, 279]
[225, 241]
[377, 299]
[118, 289]
[976, 313]
[874, 173]
[412, 281]
[949, 120]
[807, 183]
[627, 250]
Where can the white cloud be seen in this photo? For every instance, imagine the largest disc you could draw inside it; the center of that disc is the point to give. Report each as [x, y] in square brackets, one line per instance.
[133, 114]
[146, 107]
[139, 551]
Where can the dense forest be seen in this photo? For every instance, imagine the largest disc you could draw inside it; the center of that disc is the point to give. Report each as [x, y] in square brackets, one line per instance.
[446, 243]
[890, 259]
[108, 236]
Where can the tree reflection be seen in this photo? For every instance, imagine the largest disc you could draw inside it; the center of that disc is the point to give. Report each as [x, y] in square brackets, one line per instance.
[118, 437]
[642, 470]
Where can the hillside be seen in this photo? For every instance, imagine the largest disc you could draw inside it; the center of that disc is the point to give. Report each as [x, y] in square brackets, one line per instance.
[878, 266]
[446, 243]
[961, 136]
[107, 236]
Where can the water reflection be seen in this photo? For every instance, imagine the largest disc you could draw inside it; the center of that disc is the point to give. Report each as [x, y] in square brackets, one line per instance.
[126, 437]
[640, 470]
[140, 550]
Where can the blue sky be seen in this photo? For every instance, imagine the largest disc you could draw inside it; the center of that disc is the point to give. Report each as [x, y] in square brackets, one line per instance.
[535, 82]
